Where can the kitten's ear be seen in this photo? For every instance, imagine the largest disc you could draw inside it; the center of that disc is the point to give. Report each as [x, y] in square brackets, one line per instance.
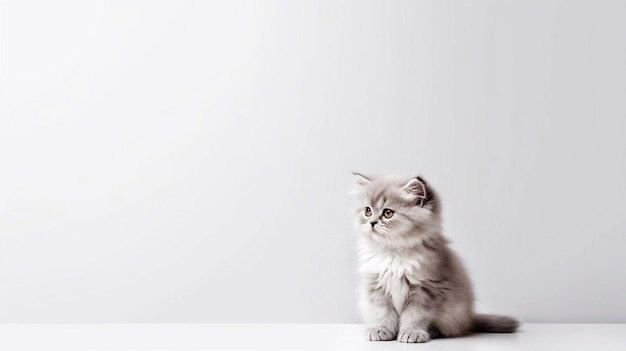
[361, 181]
[416, 189]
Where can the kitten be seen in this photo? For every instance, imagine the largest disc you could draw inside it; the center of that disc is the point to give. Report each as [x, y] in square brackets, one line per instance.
[414, 286]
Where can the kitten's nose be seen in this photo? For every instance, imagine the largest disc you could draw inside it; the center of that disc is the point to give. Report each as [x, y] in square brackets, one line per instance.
[373, 223]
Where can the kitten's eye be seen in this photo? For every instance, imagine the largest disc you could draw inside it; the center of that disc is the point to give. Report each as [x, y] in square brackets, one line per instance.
[387, 213]
[368, 211]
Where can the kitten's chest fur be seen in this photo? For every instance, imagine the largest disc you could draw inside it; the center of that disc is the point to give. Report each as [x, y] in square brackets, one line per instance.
[394, 274]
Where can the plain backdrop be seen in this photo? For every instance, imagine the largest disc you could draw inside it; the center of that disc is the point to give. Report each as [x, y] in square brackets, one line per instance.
[189, 161]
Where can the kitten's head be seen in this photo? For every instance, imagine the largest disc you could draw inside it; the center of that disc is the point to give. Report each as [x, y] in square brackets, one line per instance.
[396, 211]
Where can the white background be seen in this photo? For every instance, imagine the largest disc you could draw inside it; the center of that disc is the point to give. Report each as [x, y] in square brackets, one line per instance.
[189, 161]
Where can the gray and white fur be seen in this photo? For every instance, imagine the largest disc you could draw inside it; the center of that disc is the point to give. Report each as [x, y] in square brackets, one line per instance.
[414, 286]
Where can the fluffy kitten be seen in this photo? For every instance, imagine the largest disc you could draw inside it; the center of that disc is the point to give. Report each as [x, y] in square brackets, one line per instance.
[414, 286]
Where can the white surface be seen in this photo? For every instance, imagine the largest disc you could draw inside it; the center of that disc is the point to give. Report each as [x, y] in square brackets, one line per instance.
[160, 161]
[340, 337]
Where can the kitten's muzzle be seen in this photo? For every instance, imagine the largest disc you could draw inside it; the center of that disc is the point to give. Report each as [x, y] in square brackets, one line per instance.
[373, 223]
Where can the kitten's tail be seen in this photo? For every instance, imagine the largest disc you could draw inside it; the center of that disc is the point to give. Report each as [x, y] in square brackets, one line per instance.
[491, 323]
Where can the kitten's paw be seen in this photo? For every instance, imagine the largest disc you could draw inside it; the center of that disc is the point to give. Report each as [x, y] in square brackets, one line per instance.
[414, 335]
[379, 334]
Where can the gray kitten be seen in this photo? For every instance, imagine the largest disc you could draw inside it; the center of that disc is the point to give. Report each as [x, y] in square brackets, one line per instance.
[414, 286]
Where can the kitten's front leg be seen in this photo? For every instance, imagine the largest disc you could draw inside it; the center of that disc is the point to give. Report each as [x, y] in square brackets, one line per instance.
[415, 320]
[385, 323]
[381, 317]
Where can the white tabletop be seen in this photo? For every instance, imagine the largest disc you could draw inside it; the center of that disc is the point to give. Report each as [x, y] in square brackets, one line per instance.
[533, 337]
